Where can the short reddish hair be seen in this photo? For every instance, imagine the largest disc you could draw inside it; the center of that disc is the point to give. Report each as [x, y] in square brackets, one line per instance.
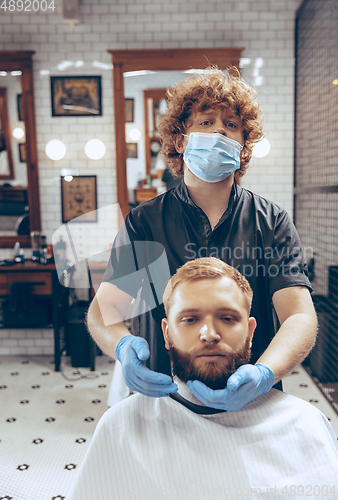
[213, 88]
[206, 268]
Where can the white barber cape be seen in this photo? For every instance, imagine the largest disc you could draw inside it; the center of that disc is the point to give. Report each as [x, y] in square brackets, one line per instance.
[277, 446]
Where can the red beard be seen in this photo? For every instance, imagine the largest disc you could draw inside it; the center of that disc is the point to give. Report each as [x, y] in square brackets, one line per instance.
[212, 374]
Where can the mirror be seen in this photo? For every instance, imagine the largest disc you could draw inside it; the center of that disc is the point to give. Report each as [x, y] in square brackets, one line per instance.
[19, 187]
[154, 106]
[154, 60]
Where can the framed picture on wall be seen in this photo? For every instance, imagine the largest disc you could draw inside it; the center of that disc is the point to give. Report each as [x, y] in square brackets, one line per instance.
[129, 110]
[79, 198]
[76, 95]
[131, 149]
[22, 153]
[20, 108]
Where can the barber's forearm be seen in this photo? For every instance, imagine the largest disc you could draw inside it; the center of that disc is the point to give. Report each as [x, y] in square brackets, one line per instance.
[106, 333]
[291, 344]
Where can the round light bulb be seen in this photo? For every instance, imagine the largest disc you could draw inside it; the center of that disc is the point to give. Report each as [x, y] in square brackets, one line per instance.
[95, 149]
[261, 149]
[155, 147]
[18, 133]
[134, 134]
[56, 150]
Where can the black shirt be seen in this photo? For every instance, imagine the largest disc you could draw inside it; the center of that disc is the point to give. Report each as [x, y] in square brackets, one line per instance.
[254, 235]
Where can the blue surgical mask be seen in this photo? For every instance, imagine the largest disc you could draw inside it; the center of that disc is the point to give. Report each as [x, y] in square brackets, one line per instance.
[212, 157]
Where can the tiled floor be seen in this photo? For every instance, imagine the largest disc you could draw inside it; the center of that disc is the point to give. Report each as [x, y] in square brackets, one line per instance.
[47, 421]
[46, 424]
[300, 384]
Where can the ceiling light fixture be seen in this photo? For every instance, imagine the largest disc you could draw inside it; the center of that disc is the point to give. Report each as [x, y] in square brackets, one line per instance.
[18, 133]
[261, 148]
[95, 149]
[139, 73]
[98, 64]
[135, 134]
[55, 150]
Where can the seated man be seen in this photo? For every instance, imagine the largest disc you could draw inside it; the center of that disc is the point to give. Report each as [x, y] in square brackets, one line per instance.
[147, 448]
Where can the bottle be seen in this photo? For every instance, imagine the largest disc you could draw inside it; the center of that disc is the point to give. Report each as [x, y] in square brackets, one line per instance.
[21, 256]
[43, 250]
[50, 256]
[16, 250]
[60, 255]
[35, 240]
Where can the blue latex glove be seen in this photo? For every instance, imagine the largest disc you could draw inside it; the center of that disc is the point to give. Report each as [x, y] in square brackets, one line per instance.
[248, 382]
[132, 352]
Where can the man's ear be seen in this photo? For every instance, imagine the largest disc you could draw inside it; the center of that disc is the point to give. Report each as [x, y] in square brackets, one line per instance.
[252, 327]
[164, 326]
[179, 143]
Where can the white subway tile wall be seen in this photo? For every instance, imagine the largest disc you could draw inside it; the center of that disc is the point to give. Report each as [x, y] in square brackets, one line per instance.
[21, 342]
[264, 28]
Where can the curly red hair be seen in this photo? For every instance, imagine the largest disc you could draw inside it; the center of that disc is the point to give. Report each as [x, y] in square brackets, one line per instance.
[211, 89]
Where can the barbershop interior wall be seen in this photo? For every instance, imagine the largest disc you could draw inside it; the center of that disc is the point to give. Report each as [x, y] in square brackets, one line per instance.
[264, 28]
[316, 151]
[316, 172]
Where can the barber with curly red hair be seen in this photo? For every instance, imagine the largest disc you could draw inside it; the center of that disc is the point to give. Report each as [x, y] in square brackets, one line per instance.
[208, 132]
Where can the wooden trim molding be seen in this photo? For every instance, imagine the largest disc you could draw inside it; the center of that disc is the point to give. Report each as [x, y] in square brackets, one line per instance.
[4, 124]
[12, 60]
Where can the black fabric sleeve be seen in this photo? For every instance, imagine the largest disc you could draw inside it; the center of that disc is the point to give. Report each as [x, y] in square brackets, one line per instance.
[138, 265]
[122, 267]
[287, 265]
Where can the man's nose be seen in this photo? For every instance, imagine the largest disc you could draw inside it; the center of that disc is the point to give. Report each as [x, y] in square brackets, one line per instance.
[209, 333]
[220, 128]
